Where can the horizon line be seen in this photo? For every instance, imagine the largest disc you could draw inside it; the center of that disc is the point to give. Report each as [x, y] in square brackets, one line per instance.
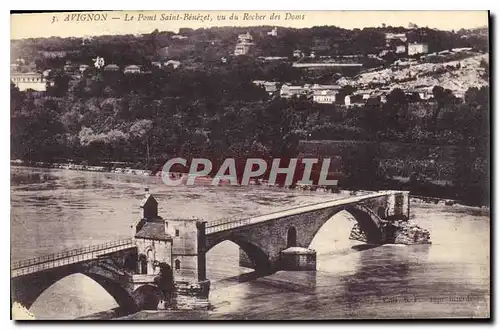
[41, 25]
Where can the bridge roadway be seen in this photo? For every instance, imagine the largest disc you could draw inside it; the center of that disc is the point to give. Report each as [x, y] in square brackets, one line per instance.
[225, 224]
[68, 257]
[74, 256]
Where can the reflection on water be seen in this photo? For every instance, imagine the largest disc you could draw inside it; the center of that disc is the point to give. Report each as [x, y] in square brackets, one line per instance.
[59, 209]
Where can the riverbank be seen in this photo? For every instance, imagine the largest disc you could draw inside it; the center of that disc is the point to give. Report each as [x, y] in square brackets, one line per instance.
[205, 180]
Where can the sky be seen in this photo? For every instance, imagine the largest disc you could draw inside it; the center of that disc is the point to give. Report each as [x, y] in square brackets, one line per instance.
[130, 22]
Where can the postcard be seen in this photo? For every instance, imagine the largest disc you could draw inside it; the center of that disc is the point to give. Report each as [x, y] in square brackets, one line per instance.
[250, 165]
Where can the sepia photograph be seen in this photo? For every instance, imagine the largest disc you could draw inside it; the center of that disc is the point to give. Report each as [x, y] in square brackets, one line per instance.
[250, 165]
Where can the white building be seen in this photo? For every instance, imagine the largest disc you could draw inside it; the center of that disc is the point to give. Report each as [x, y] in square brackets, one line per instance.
[400, 49]
[83, 68]
[324, 96]
[242, 48]
[417, 48]
[174, 64]
[347, 100]
[247, 37]
[298, 53]
[31, 80]
[132, 69]
[317, 87]
[273, 32]
[394, 36]
[288, 91]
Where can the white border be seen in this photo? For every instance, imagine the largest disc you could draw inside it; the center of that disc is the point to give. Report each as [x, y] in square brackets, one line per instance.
[194, 5]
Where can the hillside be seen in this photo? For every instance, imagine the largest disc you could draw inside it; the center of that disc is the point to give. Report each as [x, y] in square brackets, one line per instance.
[457, 76]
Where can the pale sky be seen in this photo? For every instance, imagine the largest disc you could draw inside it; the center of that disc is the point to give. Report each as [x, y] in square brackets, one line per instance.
[121, 22]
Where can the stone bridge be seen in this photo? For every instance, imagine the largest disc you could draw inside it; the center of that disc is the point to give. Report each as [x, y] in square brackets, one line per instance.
[262, 238]
[126, 269]
[111, 265]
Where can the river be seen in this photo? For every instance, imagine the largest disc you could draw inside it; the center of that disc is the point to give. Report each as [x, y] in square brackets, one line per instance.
[53, 210]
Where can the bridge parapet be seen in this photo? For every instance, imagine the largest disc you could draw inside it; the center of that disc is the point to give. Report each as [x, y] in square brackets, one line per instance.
[68, 257]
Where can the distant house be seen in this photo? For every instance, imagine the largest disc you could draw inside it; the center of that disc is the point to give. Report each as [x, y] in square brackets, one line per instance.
[132, 69]
[288, 91]
[317, 87]
[111, 68]
[383, 53]
[259, 82]
[53, 54]
[156, 64]
[247, 37]
[400, 49]
[83, 68]
[273, 32]
[417, 48]
[69, 68]
[298, 53]
[350, 100]
[242, 48]
[223, 60]
[174, 64]
[179, 37]
[459, 94]
[324, 96]
[389, 37]
[347, 100]
[30, 80]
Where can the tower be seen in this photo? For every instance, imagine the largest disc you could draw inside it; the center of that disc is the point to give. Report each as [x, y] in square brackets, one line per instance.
[154, 244]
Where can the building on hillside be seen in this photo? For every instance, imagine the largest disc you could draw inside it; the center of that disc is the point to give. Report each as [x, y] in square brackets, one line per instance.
[247, 37]
[288, 91]
[354, 99]
[298, 53]
[389, 37]
[243, 45]
[31, 80]
[53, 54]
[132, 69]
[400, 49]
[271, 87]
[417, 48]
[83, 68]
[70, 68]
[242, 48]
[172, 63]
[179, 37]
[324, 96]
[111, 68]
[318, 87]
[273, 32]
[156, 64]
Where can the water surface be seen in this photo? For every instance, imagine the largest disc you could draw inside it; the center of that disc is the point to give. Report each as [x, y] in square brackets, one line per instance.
[53, 210]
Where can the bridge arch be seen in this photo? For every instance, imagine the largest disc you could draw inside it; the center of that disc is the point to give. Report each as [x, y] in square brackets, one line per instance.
[369, 222]
[254, 252]
[27, 289]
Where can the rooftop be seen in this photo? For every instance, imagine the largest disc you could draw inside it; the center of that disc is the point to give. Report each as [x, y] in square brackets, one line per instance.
[153, 230]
